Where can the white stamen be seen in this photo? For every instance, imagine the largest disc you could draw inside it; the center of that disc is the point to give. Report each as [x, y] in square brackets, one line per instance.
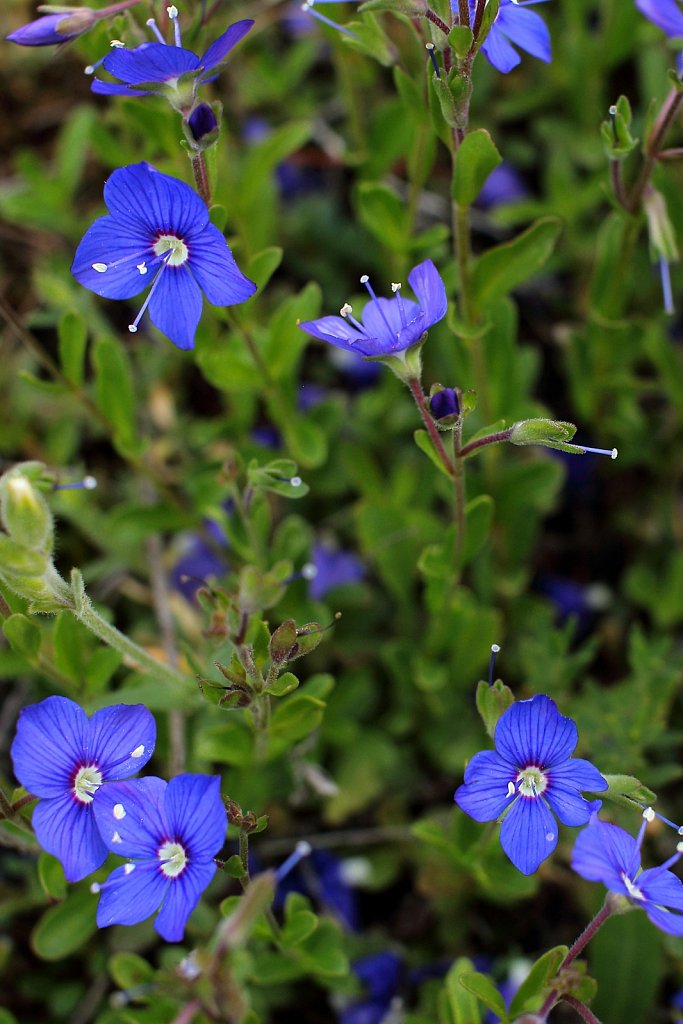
[309, 571]
[142, 267]
[99, 267]
[86, 783]
[633, 890]
[364, 279]
[133, 328]
[116, 838]
[612, 452]
[296, 481]
[139, 751]
[116, 44]
[151, 23]
[429, 46]
[128, 869]
[95, 888]
[119, 811]
[649, 814]
[396, 287]
[89, 483]
[511, 789]
[172, 11]
[680, 831]
[495, 648]
[346, 309]
[173, 859]
[89, 70]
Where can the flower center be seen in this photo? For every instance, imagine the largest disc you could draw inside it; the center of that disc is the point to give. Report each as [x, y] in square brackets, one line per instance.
[633, 890]
[173, 859]
[532, 781]
[176, 247]
[86, 783]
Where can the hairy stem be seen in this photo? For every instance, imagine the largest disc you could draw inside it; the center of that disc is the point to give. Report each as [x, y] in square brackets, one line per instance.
[584, 938]
[201, 177]
[432, 429]
[481, 442]
[653, 146]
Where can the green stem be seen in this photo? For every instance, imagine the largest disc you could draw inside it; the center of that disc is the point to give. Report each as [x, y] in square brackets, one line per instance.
[432, 429]
[584, 938]
[244, 855]
[458, 495]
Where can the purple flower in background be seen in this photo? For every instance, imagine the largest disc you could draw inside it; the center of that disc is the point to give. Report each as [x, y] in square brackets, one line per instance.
[333, 568]
[606, 853]
[514, 25]
[529, 777]
[324, 877]
[170, 833]
[503, 185]
[666, 14]
[171, 71]
[65, 758]
[389, 325]
[380, 974]
[158, 230]
[199, 560]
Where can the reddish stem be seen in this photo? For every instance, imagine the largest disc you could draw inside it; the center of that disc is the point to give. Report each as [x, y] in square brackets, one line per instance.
[581, 1009]
[653, 147]
[481, 442]
[201, 177]
[433, 430]
[436, 20]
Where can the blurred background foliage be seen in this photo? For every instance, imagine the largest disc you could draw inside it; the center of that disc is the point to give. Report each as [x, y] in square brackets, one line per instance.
[328, 167]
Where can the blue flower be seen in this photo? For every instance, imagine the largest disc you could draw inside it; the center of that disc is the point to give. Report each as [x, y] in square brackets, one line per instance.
[199, 559]
[514, 24]
[606, 853]
[389, 325]
[380, 974]
[170, 833]
[159, 230]
[333, 568]
[666, 14]
[323, 876]
[503, 185]
[529, 777]
[163, 70]
[444, 403]
[65, 758]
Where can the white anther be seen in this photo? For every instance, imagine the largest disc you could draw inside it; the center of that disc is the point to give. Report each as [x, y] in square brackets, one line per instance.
[116, 44]
[429, 46]
[99, 267]
[89, 69]
[511, 789]
[128, 869]
[119, 811]
[89, 483]
[614, 454]
[309, 571]
[141, 267]
[132, 328]
[346, 309]
[172, 11]
[396, 287]
[679, 847]
[649, 814]
[95, 888]
[296, 481]
[495, 648]
[364, 279]
[139, 751]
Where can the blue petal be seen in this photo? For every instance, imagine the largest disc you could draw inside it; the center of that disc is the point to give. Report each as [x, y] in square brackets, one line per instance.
[181, 898]
[664, 920]
[426, 282]
[217, 52]
[196, 814]
[50, 743]
[151, 62]
[66, 828]
[115, 732]
[42, 32]
[215, 270]
[114, 89]
[498, 51]
[142, 199]
[661, 887]
[130, 898]
[666, 14]
[176, 306]
[382, 319]
[526, 30]
[107, 242]
[484, 795]
[602, 853]
[578, 774]
[528, 834]
[533, 732]
[566, 803]
[130, 817]
[337, 331]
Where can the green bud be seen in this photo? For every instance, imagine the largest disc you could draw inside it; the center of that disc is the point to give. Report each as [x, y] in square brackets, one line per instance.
[551, 433]
[660, 229]
[283, 642]
[460, 38]
[492, 702]
[23, 510]
[616, 133]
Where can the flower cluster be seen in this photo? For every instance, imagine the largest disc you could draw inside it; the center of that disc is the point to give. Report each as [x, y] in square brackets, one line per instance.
[169, 832]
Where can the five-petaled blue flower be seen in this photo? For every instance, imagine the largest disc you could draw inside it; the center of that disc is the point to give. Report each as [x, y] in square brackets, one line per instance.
[170, 833]
[390, 326]
[170, 71]
[64, 757]
[528, 777]
[666, 14]
[514, 25]
[158, 229]
[606, 853]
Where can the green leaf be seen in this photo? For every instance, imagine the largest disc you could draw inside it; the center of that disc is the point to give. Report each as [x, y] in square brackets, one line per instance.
[115, 393]
[263, 265]
[299, 925]
[128, 970]
[292, 720]
[529, 995]
[23, 635]
[492, 702]
[486, 992]
[51, 877]
[501, 269]
[384, 214]
[478, 520]
[425, 444]
[283, 685]
[227, 742]
[477, 156]
[627, 960]
[73, 336]
[64, 929]
[456, 1004]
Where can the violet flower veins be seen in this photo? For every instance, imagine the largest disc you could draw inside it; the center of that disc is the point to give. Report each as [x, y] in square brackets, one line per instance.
[529, 777]
[514, 25]
[389, 326]
[606, 853]
[162, 69]
[158, 230]
[63, 757]
[170, 833]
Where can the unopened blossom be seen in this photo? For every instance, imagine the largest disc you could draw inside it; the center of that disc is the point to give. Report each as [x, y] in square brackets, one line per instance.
[606, 853]
[169, 833]
[66, 758]
[158, 233]
[63, 23]
[389, 326]
[530, 777]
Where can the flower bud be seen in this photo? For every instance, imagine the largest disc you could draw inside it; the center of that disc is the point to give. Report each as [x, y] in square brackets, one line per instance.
[552, 433]
[203, 125]
[444, 405]
[52, 29]
[24, 511]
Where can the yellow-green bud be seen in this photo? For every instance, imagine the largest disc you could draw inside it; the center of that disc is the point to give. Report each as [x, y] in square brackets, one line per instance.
[24, 512]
